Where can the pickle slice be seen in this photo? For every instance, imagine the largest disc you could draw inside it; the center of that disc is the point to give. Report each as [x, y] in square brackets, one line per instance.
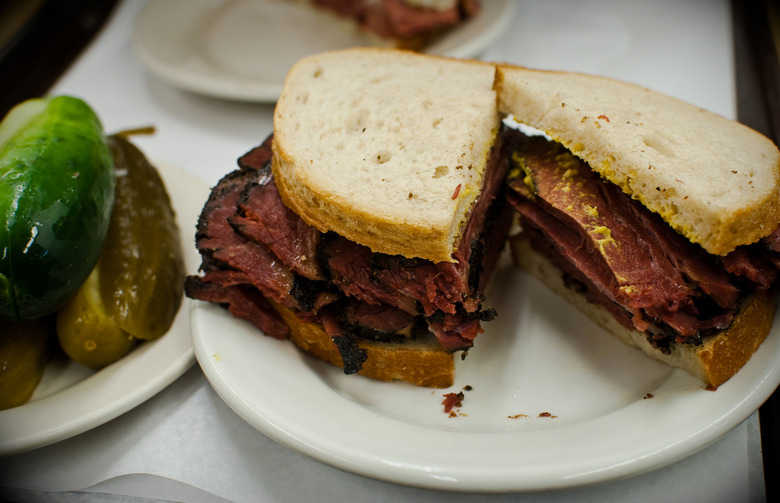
[86, 333]
[142, 262]
[24, 351]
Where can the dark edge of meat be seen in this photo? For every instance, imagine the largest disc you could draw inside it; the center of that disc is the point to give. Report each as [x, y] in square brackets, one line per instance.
[352, 356]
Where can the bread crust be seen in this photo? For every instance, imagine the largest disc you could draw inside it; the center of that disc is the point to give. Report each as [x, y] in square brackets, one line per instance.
[715, 361]
[422, 363]
[387, 124]
[712, 179]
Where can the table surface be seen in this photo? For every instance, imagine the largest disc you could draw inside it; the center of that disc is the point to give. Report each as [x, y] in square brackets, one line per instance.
[138, 456]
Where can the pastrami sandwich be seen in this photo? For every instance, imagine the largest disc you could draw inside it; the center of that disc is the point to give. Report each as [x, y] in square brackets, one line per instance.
[366, 227]
[656, 218]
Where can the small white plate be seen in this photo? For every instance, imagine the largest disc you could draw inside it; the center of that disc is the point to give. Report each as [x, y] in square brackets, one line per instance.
[554, 401]
[242, 49]
[72, 399]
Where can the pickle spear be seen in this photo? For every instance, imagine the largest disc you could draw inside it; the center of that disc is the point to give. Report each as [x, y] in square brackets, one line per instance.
[56, 195]
[86, 333]
[136, 288]
[24, 351]
[142, 262]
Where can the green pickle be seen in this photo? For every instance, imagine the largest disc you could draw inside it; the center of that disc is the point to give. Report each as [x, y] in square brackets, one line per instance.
[142, 262]
[56, 195]
[86, 333]
[25, 349]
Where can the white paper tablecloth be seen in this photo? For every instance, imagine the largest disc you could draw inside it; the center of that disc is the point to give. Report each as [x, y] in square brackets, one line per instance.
[185, 444]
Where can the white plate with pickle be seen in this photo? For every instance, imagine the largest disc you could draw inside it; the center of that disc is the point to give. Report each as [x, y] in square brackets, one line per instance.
[71, 398]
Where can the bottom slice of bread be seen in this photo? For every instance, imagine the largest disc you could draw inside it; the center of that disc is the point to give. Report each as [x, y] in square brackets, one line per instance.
[421, 361]
[715, 361]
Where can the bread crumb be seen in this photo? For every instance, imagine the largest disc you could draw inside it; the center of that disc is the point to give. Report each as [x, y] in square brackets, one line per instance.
[519, 416]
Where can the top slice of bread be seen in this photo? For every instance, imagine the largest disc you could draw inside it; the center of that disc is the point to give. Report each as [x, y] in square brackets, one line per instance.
[386, 148]
[712, 179]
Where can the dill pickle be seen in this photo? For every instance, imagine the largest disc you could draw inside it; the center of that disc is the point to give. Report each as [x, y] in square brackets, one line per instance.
[56, 195]
[24, 351]
[86, 333]
[142, 262]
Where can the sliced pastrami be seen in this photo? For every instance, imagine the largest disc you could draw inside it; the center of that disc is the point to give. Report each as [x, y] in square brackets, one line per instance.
[249, 262]
[414, 286]
[399, 19]
[378, 323]
[249, 240]
[623, 254]
[753, 264]
[262, 217]
[242, 301]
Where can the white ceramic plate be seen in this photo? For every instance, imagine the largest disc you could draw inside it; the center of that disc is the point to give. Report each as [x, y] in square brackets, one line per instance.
[242, 49]
[72, 399]
[538, 359]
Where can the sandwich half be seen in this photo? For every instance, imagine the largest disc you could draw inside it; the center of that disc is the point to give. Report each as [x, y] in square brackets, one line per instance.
[366, 227]
[656, 218]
